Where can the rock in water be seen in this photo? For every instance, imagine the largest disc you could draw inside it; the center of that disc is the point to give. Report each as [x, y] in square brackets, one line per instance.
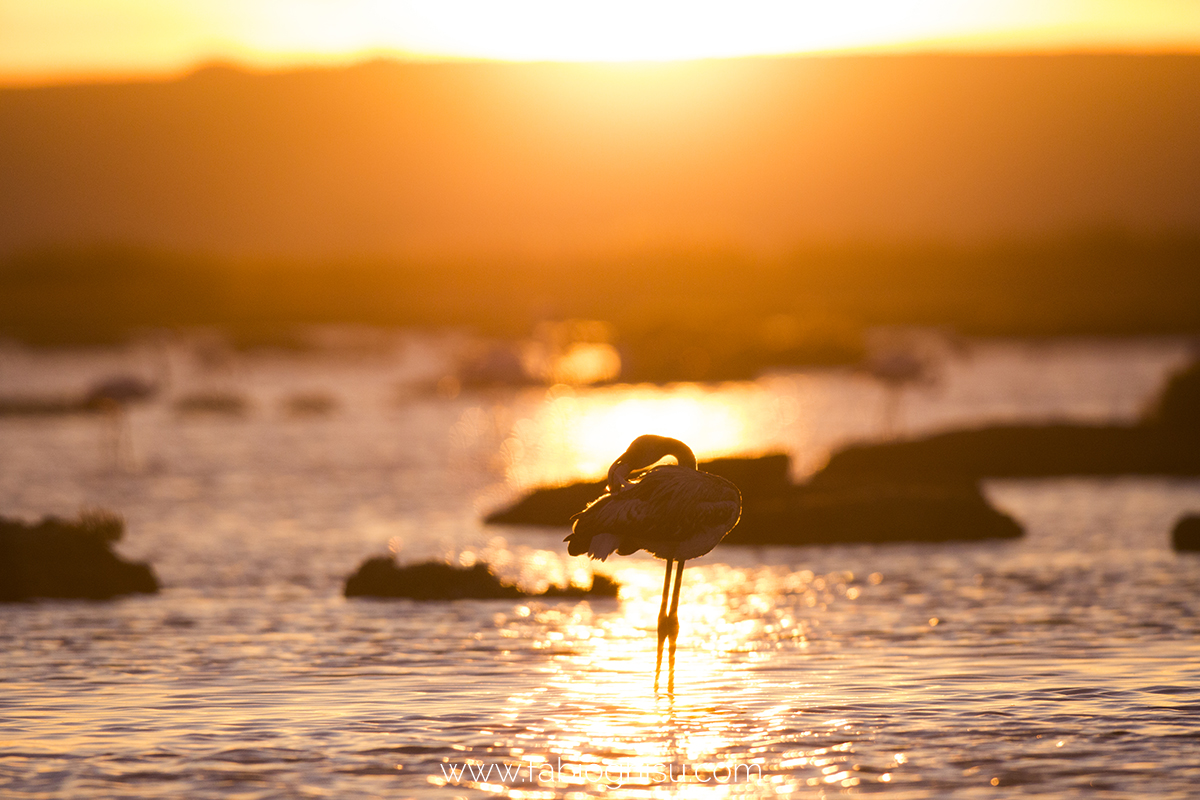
[778, 512]
[68, 559]
[432, 580]
[1186, 534]
[759, 479]
[1165, 442]
[878, 513]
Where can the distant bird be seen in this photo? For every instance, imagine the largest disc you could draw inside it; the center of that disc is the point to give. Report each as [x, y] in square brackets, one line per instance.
[673, 511]
[114, 396]
[899, 358]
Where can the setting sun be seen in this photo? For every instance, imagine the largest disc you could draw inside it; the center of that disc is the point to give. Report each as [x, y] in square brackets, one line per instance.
[55, 39]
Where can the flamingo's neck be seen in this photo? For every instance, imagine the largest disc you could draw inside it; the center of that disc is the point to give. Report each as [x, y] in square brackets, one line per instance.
[644, 452]
[682, 453]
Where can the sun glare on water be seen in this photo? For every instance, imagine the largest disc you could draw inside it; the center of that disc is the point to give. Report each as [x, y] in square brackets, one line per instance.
[578, 434]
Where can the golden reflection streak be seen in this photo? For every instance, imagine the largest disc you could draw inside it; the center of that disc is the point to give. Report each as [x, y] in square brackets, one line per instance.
[611, 716]
[596, 706]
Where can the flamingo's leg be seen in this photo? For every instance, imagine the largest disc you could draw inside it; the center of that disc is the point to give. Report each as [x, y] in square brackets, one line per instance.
[674, 615]
[671, 668]
[666, 596]
[672, 632]
[663, 627]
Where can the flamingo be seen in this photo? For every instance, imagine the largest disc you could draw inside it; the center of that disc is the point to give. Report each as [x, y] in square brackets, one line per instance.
[673, 511]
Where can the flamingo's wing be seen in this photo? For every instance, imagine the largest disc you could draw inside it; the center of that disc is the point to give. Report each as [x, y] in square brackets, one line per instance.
[670, 511]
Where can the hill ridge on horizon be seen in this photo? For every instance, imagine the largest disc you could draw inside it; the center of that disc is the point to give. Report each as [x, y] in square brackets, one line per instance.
[218, 64]
[561, 160]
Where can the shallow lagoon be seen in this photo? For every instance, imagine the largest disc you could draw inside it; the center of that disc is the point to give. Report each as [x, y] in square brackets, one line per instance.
[1062, 664]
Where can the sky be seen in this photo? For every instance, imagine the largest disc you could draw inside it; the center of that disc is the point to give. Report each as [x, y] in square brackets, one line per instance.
[54, 41]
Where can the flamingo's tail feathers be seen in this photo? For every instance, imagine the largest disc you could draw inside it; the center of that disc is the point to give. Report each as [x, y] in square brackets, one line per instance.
[576, 544]
[602, 545]
[599, 545]
[591, 530]
[584, 527]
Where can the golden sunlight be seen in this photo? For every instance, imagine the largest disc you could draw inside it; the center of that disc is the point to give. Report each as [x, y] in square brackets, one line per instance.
[582, 434]
[48, 39]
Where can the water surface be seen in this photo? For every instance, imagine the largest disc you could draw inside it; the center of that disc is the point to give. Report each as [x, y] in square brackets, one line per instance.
[1063, 664]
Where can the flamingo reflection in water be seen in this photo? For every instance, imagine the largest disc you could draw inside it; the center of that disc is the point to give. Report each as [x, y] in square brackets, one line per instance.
[673, 511]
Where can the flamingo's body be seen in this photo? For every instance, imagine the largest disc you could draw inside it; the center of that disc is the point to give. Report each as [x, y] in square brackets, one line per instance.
[673, 511]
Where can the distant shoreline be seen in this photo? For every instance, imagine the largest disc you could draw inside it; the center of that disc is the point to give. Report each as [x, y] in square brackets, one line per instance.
[674, 315]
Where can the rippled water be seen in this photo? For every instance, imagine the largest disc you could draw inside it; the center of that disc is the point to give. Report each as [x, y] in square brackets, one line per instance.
[1067, 663]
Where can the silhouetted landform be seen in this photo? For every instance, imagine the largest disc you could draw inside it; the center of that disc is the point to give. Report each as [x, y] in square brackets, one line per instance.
[778, 512]
[495, 196]
[108, 395]
[925, 489]
[381, 577]
[118, 391]
[1176, 410]
[56, 406]
[736, 347]
[758, 479]
[673, 316]
[480, 158]
[1185, 536]
[310, 404]
[1165, 442]
[214, 403]
[1018, 451]
[58, 558]
[42, 406]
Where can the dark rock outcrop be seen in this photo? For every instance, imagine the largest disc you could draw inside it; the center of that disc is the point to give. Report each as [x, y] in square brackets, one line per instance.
[106, 396]
[214, 403]
[1166, 442]
[757, 478]
[1017, 451]
[381, 577]
[1185, 536]
[68, 559]
[926, 489]
[777, 512]
[879, 513]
